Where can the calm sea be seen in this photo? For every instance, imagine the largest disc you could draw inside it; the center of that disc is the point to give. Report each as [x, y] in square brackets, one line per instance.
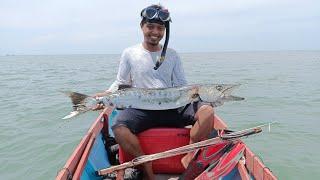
[278, 86]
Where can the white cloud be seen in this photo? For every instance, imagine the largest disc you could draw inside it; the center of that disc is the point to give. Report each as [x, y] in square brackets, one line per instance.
[88, 24]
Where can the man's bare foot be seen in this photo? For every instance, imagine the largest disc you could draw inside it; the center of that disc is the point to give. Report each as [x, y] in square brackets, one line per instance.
[186, 160]
[120, 175]
[148, 173]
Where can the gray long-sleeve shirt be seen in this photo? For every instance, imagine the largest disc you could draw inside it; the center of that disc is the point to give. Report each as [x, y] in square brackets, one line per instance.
[136, 69]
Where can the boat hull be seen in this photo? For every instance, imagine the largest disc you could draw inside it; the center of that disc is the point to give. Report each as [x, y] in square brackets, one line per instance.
[91, 155]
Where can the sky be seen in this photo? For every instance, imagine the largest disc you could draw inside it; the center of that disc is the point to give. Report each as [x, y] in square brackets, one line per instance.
[39, 27]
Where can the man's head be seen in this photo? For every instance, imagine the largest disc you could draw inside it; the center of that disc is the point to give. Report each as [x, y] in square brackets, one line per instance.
[155, 20]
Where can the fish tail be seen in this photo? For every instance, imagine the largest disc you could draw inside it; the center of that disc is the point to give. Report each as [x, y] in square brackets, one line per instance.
[79, 102]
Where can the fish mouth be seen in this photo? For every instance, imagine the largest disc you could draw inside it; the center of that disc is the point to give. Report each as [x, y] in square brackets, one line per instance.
[233, 98]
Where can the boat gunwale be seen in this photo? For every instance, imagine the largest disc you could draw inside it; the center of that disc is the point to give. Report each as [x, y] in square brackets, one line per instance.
[84, 158]
[256, 167]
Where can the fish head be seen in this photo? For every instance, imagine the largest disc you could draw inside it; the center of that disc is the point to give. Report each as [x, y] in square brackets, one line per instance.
[217, 94]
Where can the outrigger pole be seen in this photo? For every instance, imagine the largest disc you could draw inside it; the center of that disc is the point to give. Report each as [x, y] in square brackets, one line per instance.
[233, 136]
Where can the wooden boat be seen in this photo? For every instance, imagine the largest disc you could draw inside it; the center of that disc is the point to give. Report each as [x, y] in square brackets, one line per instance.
[92, 154]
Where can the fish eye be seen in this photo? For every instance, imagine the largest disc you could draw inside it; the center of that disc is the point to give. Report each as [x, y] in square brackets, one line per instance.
[219, 87]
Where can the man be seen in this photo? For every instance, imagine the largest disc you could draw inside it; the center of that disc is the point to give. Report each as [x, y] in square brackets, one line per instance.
[146, 66]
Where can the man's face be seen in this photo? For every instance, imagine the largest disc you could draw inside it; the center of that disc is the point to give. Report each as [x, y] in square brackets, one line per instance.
[153, 33]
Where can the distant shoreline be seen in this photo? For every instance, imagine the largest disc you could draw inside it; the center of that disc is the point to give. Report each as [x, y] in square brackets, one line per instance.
[212, 52]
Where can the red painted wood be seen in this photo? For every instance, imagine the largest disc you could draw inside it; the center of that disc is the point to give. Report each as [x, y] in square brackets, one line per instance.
[226, 163]
[268, 174]
[74, 159]
[218, 123]
[243, 171]
[98, 124]
[256, 168]
[249, 159]
[84, 158]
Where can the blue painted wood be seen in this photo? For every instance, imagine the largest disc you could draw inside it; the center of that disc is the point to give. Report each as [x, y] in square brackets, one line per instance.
[98, 159]
[233, 175]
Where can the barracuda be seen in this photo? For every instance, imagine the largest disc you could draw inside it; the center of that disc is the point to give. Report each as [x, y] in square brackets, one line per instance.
[155, 99]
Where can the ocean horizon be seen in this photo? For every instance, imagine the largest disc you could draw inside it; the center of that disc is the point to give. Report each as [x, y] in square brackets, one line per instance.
[180, 52]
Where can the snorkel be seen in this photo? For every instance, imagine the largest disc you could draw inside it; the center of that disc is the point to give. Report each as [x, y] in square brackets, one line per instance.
[164, 50]
[157, 14]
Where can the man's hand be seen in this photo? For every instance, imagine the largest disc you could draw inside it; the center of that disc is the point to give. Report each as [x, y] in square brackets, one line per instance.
[100, 106]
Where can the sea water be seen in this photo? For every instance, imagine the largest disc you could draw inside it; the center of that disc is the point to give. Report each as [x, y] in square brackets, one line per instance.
[282, 86]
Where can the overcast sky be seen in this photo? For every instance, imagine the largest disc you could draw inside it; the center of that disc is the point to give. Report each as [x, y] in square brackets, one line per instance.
[104, 26]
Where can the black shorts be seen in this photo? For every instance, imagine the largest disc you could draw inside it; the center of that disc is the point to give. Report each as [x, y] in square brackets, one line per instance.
[138, 120]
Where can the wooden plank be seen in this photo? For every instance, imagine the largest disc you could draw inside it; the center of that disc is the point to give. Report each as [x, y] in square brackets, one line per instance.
[84, 158]
[261, 171]
[256, 168]
[268, 174]
[249, 159]
[243, 171]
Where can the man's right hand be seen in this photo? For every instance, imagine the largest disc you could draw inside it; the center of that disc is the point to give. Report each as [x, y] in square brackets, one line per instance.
[97, 95]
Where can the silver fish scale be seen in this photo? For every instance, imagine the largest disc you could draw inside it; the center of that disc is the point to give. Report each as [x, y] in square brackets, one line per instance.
[168, 98]
[152, 99]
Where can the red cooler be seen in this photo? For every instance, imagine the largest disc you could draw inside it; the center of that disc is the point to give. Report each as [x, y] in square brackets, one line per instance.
[159, 140]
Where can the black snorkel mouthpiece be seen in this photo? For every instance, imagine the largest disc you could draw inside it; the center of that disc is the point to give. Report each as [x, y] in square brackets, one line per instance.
[158, 14]
[164, 49]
